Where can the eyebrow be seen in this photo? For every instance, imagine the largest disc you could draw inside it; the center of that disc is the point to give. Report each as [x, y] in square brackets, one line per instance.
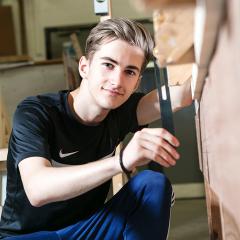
[115, 62]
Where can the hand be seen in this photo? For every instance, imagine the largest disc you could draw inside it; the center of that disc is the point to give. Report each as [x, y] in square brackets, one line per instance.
[181, 95]
[155, 144]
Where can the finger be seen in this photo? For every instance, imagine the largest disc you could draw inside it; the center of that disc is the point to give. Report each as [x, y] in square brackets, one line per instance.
[163, 133]
[165, 156]
[157, 144]
[157, 153]
[148, 154]
[164, 164]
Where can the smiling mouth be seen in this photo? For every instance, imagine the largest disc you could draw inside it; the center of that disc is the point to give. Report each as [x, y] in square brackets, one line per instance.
[112, 92]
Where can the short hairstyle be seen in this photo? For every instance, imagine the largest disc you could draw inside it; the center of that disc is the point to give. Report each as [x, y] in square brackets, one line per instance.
[120, 28]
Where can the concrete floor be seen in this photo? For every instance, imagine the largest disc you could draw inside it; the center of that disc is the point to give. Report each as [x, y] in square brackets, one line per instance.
[189, 220]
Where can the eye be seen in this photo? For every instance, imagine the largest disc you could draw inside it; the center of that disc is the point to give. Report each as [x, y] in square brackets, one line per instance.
[108, 65]
[130, 72]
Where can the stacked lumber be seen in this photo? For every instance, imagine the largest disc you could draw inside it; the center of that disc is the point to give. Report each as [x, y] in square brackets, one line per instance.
[70, 62]
[3, 157]
[215, 88]
[5, 127]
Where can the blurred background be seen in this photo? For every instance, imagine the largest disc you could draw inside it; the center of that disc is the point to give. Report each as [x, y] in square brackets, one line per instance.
[38, 54]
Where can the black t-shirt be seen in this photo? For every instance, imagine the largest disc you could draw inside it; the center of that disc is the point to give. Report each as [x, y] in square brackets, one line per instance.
[44, 126]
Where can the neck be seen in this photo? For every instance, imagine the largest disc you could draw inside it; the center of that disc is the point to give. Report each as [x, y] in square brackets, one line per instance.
[87, 113]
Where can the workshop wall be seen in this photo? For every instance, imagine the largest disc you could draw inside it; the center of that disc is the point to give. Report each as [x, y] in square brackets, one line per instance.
[42, 14]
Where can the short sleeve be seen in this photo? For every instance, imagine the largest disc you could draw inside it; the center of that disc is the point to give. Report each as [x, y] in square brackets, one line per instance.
[30, 133]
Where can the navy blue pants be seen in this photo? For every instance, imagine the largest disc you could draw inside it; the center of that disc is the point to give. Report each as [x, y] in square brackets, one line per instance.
[140, 210]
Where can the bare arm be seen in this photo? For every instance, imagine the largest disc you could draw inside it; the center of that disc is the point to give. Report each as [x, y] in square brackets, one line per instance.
[155, 144]
[148, 109]
[45, 184]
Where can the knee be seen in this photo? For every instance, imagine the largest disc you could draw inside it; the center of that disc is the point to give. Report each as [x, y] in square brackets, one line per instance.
[152, 181]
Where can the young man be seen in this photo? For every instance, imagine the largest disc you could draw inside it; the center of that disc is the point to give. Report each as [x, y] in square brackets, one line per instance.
[61, 151]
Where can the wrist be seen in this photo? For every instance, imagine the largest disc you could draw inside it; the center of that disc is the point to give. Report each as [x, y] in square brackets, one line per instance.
[123, 167]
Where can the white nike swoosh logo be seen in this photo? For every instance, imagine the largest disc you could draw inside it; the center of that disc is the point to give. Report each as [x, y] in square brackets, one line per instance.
[57, 164]
[63, 155]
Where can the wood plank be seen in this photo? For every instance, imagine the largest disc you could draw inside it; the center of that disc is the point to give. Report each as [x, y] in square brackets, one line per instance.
[199, 143]
[117, 183]
[179, 74]
[203, 141]
[22, 27]
[71, 72]
[208, 16]
[76, 45]
[186, 58]
[231, 227]
[120, 179]
[7, 40]
[3, 159]
[15, 58]
[14, 65]
[5, 127]
[3, 154]
[143, 5]
[219, 106]
[198, 79]
[49, 61]
[173, 29]
[214, 213]
[3, 166]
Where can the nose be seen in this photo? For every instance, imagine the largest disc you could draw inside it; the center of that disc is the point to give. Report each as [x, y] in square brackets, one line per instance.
[116, 78]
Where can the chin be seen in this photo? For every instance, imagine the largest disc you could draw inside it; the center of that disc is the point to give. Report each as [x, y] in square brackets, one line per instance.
[110, 106]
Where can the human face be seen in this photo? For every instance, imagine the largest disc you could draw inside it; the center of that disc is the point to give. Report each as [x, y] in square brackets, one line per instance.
[113, 73]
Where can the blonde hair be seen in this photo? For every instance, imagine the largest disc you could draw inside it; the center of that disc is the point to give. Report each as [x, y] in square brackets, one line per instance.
[123, 29]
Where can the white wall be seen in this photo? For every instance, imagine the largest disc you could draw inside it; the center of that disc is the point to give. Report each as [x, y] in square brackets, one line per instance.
[52, 13]
[40, 14]
[17, 84]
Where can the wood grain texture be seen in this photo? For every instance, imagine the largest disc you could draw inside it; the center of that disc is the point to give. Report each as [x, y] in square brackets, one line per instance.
[173, 29]
[214, 213]
[76, 45]
[14, 58]
[120, 179]
[3, 158]
[220, 113]
[4, 137]
[5, 127]
[7, 40]
[199, 143]
[71, 72]
[3, 154]
[179, 74]
[198, 79]
[207, 19]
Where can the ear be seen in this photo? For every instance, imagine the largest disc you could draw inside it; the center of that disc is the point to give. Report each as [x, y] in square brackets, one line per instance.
[83, 67]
